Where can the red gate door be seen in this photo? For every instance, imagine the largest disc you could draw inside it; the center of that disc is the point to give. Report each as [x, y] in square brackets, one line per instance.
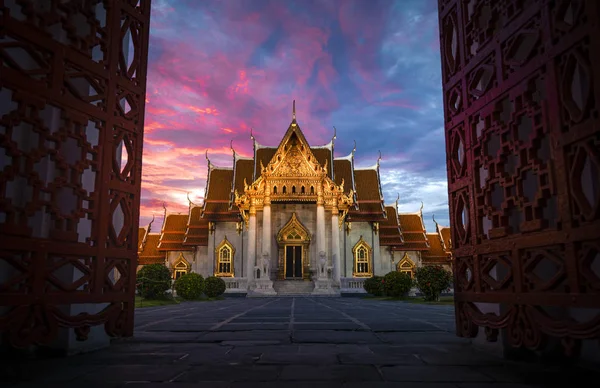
[521, 101]
[72, 92]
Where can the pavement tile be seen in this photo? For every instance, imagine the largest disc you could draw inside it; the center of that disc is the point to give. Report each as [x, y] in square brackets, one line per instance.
[230, 373]
[422, 338]
[432, 373]
[127, 373]
[298, 358]
[384, 384]
[288, 384]
[330, 373]
[332, 336]
[377, 359]
[251, 335]
[464, 358]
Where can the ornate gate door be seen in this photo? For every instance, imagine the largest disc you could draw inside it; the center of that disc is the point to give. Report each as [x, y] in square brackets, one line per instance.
[521, 100]
[72, 92]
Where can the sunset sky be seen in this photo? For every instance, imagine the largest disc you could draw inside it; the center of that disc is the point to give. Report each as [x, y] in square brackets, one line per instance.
[370, 68]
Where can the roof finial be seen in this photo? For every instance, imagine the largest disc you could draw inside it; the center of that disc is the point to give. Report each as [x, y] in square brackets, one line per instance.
[206, 155]
[354, 149]
[165, 213]
[189, 200]
[231, 146]
[334, 134]
[397, 199]
[150, 224]
[294, 110]
[421, 209]
[379, 159]
[251, 135]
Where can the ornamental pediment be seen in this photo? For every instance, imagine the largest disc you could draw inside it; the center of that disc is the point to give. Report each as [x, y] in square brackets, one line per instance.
[293, 160]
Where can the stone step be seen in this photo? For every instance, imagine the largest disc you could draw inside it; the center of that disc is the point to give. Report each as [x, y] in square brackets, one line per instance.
[293, 287]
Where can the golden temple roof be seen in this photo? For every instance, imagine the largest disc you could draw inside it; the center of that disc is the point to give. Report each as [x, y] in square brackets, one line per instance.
[370, 203]
[196, 232]
[390, 232]
[436, 252]
[150, 254]
[173, 233]
[342, 169]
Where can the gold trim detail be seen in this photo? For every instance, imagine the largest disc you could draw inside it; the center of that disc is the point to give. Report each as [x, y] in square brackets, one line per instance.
[363, 257]
[224, 247]
[406, 265]
[293, 233]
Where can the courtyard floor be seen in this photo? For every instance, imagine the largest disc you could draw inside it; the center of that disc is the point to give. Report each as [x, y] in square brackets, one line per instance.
[293, 342]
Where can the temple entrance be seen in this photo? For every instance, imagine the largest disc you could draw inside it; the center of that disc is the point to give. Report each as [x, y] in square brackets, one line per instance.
[293, 240]
[293, 262]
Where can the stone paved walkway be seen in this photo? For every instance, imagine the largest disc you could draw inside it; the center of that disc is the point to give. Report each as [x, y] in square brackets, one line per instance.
[292, 342]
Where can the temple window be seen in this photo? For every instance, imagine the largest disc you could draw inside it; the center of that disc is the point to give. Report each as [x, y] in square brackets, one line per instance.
[293, 189]
[363, 266]
[406, 265]
[284, 190]
[224, 254]
[274, 189]
[312, 189]
[181, 267]
[302, 190]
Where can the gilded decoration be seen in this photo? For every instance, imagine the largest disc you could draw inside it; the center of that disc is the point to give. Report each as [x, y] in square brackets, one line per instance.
[181, 266]
[363, 259]
[293, 233]
[293, 175]
[224, 255]
[406, 265]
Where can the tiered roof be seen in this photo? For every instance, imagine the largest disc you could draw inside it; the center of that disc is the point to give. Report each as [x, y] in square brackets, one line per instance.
[148, 252]
[390, 232]
[413, 232]
[196, 232]
[173, 233]
[436, 254]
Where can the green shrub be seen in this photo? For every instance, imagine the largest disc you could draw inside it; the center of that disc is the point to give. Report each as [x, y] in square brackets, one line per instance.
[214, 286]
[432, 280]
[190, 286]
[397, 284]
[153, 280]
[374, 285]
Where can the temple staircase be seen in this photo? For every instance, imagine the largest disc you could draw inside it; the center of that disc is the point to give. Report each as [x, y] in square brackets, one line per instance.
[293, 287]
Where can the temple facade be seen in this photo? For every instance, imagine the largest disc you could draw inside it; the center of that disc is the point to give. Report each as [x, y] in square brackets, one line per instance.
[294, 219]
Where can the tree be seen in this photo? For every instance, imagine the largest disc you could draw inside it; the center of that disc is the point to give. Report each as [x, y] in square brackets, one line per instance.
[432, 281]
[153, 281]
[190, 286]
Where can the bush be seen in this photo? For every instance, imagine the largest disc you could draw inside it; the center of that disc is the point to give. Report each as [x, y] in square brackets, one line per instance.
[214, 286]
[153, 280]
[374, 285]
[190, 286]
[397, 284]
[432, 280]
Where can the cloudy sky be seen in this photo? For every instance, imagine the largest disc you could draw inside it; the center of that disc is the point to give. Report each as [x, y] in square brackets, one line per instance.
[220, 67]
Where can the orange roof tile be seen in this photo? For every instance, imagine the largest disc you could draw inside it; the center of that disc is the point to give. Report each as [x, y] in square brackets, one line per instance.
[343, 171]
[389, 229]
[197, 230]
[370, 204]
[141, 235]
[411, 222]
[445, 232]
[150, 254]
[264, 155]
[243, 170]
[436, 250]
[322, 155]
[173, 233]
[219, 190]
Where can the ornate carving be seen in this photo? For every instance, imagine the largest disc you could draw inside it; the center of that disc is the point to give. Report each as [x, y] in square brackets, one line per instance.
[70, 131]
[523, 167]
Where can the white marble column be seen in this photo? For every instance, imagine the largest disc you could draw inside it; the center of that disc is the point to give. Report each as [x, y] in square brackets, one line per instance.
[266, 235]
[320, 224]
[335, 245]
[251, 256]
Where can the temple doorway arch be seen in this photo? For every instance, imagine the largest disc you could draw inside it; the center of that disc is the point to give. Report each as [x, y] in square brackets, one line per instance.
[293, 240]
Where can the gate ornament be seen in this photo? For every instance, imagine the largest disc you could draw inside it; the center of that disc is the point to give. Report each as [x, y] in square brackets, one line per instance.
[72, 133]
[523, 168]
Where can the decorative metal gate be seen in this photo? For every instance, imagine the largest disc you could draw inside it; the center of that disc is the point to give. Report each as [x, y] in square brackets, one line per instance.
[72, 93]
[521, 100]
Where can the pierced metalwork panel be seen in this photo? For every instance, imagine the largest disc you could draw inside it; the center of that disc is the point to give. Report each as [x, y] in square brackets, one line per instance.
[521, 110]
[72, 93]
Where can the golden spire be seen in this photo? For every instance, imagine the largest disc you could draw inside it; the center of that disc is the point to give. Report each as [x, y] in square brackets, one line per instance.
[294, 110]
[164, 216]
[437, 227]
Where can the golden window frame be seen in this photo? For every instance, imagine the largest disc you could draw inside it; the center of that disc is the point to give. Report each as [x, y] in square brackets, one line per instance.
[362, 246]
[224, 245]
